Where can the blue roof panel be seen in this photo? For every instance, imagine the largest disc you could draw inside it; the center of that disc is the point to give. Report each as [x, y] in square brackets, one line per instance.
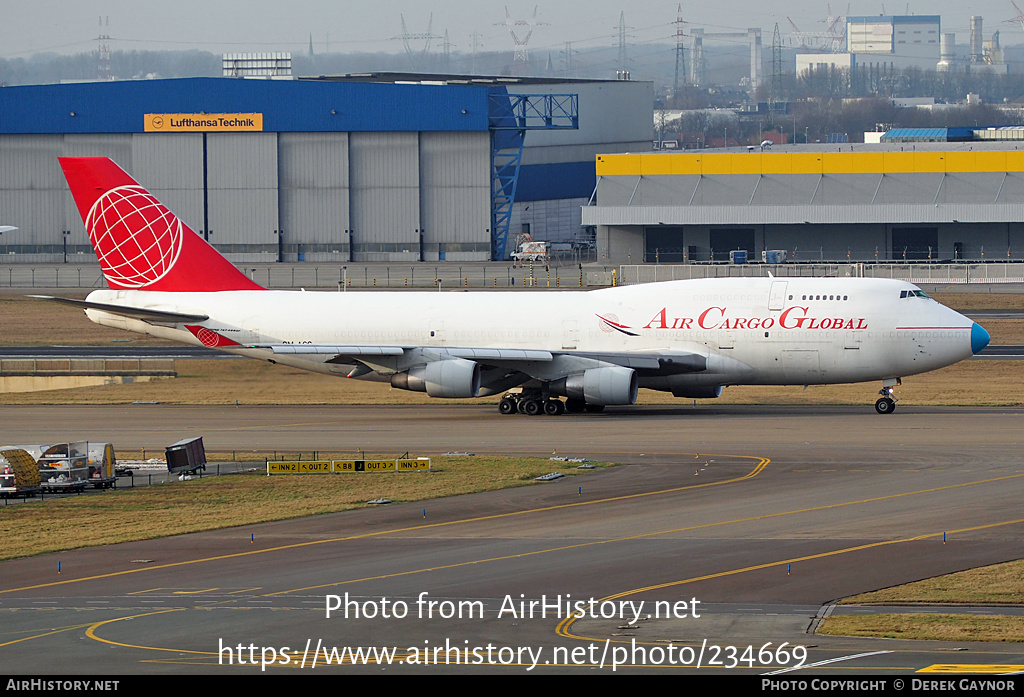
[286, 105]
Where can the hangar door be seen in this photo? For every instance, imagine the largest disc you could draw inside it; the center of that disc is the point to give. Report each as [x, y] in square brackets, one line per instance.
[663, 245]
[725, 240]
[242, 192]
[913, 243]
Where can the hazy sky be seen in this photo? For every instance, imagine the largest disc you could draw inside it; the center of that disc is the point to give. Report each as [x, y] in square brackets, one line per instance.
[72, 26]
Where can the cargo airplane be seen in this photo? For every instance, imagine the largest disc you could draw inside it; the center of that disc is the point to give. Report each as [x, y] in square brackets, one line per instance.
[593, 348]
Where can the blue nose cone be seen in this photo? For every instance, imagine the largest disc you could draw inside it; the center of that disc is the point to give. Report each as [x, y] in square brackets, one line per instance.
[979, 338]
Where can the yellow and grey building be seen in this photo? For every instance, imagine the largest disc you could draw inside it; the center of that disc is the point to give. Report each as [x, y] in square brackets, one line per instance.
[888, 202]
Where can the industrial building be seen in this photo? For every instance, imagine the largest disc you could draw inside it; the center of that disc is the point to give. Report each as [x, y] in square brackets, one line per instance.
[895, 42]
[885, 202]
[360, 168]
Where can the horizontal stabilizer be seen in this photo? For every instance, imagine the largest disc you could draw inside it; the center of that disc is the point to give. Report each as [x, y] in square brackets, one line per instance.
[144, 314]
[333, 350]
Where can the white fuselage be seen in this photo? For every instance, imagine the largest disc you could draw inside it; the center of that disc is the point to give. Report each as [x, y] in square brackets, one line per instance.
[751, 330]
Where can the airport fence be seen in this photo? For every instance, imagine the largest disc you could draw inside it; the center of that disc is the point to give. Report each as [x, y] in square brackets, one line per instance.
[914, 273]
[453, 276]
[447, 276]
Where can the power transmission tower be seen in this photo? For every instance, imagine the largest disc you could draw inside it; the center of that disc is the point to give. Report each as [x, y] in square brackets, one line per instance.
[776, 89]
[417, 59]
[103, 64]
[521, 57]
[680, 51]
[570, 66]
[447, 52]
[623, 71]
[475, 38]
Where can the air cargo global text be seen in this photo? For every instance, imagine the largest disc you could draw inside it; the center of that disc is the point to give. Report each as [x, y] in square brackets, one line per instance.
[559, 606]
[719, 318]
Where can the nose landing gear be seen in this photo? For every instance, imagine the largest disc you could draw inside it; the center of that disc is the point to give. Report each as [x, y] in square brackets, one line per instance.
[887, 403]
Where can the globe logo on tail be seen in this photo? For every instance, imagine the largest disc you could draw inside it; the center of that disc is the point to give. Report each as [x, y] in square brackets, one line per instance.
[137, 240]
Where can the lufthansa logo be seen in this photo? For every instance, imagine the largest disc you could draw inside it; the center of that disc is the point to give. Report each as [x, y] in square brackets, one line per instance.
[158, 122]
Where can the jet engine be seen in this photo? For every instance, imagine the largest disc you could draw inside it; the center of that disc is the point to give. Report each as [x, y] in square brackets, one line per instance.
[611, 385]
[454, 377]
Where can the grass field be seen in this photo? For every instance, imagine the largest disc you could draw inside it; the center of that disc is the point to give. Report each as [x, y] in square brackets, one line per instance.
[211, 503]
[1000, 584]
[933, 627]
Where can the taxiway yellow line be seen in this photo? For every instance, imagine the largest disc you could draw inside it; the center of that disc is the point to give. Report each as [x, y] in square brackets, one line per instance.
[762, 463]
[563, 627]
[44, 634]
[656, 533]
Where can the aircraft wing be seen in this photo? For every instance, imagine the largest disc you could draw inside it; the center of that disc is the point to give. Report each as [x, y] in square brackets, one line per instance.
[347, 354]
[144, 314]
[660, 362]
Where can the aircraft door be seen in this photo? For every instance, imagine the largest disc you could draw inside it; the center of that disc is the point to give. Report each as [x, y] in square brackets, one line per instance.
[777, 295]
[802, 366]
[570, 334]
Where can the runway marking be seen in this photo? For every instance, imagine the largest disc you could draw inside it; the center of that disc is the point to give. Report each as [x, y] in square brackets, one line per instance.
[563, 627]
[837, 659]
[665, 532]
[979, 668]
[44, 634]
[198, 592]
[91, 633]
[762, 463]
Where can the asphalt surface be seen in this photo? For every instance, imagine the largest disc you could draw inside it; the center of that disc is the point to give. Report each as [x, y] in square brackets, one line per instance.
[757, 519]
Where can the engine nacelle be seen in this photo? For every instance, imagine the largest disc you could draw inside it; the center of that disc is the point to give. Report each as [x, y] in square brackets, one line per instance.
[453, 378]
[611, 385]
[697, 391]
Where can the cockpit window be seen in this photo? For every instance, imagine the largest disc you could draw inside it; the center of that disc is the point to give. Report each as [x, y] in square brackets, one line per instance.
[913, 294]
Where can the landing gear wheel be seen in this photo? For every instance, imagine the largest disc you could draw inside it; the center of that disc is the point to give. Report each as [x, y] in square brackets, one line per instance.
[534, 407]
[554, 407]
[885, 405]
[507, 406]
[595, 408]
[575, 406]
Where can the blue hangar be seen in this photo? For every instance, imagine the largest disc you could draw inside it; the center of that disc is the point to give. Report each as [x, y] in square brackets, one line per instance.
[354, 168]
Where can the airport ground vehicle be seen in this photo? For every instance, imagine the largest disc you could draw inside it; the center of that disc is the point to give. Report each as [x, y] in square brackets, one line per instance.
[19, 475]
[102, 465]
[595, 348]
[70, 467]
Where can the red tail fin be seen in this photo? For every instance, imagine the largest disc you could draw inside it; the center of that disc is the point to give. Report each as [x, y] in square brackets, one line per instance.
[140, 244]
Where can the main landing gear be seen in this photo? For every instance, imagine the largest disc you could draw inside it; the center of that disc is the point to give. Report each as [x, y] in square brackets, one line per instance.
[887, 402]
[535, 404]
